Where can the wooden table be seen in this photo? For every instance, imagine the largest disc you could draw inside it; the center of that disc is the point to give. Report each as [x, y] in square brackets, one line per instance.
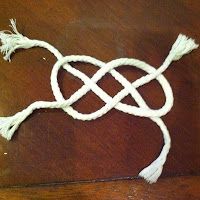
[50, 149]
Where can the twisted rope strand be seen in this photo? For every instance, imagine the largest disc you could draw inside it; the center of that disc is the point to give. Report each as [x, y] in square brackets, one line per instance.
[183, 45]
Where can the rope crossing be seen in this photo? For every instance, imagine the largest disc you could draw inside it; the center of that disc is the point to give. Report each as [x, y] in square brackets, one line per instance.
[183, 45]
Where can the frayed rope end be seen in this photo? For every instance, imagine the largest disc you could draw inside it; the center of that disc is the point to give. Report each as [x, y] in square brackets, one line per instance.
[7, 128]
[183, 45]
[152, 172]
[8, 125]
[12, 40]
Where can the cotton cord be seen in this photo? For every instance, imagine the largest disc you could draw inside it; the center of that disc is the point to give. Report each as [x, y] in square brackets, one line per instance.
[13, 40]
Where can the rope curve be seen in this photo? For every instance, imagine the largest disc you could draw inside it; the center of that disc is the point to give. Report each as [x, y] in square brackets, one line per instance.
[183, 45]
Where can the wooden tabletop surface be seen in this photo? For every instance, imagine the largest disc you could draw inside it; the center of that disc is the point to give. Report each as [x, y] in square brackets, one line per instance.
[51, 147]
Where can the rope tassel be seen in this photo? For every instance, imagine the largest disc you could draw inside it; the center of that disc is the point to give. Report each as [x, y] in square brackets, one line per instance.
[12, 41]
[8, 126]
[183, 45]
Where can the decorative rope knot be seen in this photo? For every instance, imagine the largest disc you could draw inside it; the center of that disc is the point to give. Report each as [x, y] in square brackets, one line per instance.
[12, 41]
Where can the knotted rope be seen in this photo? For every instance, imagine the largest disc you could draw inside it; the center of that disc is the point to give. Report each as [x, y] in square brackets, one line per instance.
[183, 45]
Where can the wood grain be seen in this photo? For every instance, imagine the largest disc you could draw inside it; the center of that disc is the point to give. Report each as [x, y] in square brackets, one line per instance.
[51, 146]
[179, 188]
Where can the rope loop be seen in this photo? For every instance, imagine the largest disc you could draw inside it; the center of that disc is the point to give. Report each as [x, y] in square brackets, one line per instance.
[110, 102]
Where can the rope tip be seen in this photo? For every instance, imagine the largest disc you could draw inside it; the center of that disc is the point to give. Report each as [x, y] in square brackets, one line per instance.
[151, 173]
[183, 45]
[7, 127]
[11, 40]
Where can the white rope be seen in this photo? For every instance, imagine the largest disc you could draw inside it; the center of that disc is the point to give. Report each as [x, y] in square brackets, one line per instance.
[12, 41]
